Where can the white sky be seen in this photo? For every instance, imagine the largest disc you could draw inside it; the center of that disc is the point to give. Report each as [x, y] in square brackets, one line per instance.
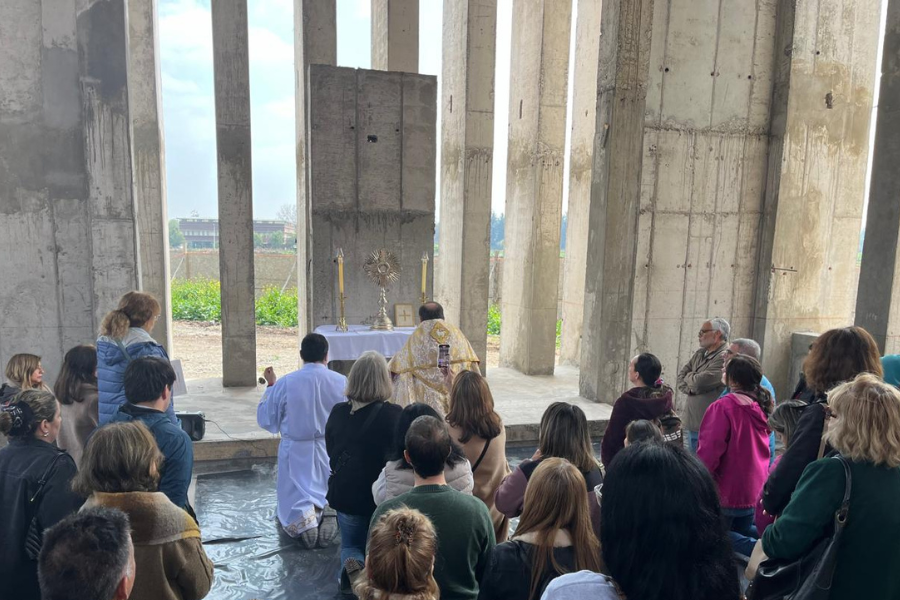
[188, 103]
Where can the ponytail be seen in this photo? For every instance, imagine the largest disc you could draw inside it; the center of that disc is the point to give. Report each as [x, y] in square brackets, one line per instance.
[135, 309]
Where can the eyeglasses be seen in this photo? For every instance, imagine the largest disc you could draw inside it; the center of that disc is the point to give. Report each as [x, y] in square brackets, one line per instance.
[705, 331]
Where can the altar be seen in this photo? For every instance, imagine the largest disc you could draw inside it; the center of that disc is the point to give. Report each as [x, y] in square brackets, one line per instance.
[349, 345]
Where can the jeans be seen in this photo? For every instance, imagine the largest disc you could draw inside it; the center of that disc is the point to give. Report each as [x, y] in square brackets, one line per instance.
[354, 533]
[741, 529]
[691, 440]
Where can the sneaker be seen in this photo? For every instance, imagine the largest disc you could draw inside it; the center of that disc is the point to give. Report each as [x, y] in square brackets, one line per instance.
[328, 528]
[349, 574]
[309, 538]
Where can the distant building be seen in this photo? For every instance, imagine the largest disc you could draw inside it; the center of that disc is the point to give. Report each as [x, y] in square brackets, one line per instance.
[204, 233]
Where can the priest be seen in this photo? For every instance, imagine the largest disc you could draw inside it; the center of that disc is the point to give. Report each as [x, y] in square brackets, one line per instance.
[417, 377]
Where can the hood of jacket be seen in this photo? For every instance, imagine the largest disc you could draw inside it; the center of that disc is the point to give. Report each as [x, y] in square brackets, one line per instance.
[655, 398]
[748, 405]
[108, 350]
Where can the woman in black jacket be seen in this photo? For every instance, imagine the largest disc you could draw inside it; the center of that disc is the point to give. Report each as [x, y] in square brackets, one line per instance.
[838, 355]
[32, 421]
[554, 536]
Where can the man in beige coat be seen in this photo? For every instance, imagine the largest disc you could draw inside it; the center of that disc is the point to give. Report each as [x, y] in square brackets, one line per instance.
[700, 380]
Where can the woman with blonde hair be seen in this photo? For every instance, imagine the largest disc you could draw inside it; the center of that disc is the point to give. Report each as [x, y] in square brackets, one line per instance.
[23, 372]
[400, 564]
[125, 336]
[564, 434]
[554, 536]
[476, 426]
[76, 390]
[865, 433]
[358, 441]
[120, 469]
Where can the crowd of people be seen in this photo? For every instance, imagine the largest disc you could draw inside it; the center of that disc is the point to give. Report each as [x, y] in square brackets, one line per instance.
[404, 465]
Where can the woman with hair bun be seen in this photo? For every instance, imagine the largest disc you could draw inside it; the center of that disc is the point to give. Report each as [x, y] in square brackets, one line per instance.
[34, 488]
[125, 336]
[400, 563]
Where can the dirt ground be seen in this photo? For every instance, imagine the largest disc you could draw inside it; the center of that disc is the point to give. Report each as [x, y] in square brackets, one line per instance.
[199, 346]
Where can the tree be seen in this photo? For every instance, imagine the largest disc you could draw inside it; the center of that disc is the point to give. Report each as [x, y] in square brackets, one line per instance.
[258, 240]
[176, 238]
[288, 213]
[276, 239]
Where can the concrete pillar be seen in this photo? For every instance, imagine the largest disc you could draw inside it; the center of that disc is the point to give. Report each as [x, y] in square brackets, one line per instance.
[462, 276]
[315, 43]
[148, 146]
[615, 194]
[818, 153]
[584, 116]
[537, 131]
[67, 230]
[231, 66]
[878, 299]
[395, 35]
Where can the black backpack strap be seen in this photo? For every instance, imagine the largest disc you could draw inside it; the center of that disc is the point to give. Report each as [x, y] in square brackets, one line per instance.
[45, 477]
[487, 445]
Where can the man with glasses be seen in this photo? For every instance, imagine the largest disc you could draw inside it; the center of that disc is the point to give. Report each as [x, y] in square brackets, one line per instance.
[700, 380]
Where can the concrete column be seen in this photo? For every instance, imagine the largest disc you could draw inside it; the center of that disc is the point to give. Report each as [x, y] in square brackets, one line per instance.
[818, 155]
[395, 35]
[584, 116]
[878, 299]
[315, 43]
[148, 146]
[462, 276]
[615, 194]
[537, 131]
[231, 66]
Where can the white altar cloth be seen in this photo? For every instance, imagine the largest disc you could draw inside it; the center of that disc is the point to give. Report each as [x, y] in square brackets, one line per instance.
[359, 338]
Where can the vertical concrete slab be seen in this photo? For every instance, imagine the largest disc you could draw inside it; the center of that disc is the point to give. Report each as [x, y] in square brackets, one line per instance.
[372, 184]
[395, 35]
[581, 153]
[315, 43]
[878, 299]
[148, 143]
[537, 122]
[231, 66]
[817, 156]
[462, 276]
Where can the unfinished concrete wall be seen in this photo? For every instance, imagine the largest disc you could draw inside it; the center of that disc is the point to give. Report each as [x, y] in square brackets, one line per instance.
[817, 167]
[395, 35]
[145, 105]
[581, 153]
[67, 223]
[231, 65]
[462, 276]
[535, 166]
[878, 300]
[371, 151]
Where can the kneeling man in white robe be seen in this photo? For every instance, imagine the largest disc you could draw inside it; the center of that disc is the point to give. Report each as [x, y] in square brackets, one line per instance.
[297, 406]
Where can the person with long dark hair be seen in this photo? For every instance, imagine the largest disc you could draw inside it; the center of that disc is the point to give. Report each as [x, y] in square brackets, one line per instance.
[662, 536]
[648, 399]
[397, 475]
[76, 390]
[734, 442]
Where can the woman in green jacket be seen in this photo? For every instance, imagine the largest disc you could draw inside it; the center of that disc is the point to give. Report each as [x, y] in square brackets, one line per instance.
[865, 429]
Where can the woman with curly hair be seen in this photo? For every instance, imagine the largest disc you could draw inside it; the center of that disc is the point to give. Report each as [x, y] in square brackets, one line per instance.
[400, 563]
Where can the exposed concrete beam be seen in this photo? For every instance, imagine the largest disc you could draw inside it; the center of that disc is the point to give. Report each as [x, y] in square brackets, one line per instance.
[315, 43]
[537, 130]
[462, 276]
[231, 64]
[584, 117]
[878, 299]
[148, 143]
[395, 35]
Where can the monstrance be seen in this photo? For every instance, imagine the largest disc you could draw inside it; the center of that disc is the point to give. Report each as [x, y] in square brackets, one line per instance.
[383, 269]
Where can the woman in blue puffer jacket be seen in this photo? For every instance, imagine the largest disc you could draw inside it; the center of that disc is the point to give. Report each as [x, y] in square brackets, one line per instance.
[125, 336]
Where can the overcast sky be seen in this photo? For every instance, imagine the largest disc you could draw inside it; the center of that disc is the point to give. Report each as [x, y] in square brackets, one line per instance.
[187, 89]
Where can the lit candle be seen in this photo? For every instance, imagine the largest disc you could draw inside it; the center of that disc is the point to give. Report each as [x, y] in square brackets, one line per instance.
[340, 259]
[424, 272]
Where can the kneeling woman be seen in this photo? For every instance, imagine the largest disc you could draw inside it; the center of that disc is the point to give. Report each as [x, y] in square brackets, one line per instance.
[120, 469]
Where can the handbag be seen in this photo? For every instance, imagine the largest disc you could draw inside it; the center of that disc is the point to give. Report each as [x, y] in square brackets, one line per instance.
[808, 577]
[34, 537]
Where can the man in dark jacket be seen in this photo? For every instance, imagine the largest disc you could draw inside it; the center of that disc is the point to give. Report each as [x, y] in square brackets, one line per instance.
[148, 391]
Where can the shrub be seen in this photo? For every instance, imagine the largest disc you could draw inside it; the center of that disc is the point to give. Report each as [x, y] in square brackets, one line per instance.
[275, 307]
[493, 326]
[196, 300]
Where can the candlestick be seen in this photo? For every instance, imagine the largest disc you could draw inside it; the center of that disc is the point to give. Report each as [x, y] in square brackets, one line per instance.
[340, 261]
[424, 276]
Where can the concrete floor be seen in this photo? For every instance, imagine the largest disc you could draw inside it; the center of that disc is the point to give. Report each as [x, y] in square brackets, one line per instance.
[520, 400]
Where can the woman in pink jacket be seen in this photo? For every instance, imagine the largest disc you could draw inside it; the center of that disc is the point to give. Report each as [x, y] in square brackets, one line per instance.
[734, 442]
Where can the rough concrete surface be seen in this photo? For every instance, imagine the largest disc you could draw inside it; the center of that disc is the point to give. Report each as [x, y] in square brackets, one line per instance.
[462, 275]
[395, 35]
[535, 166]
